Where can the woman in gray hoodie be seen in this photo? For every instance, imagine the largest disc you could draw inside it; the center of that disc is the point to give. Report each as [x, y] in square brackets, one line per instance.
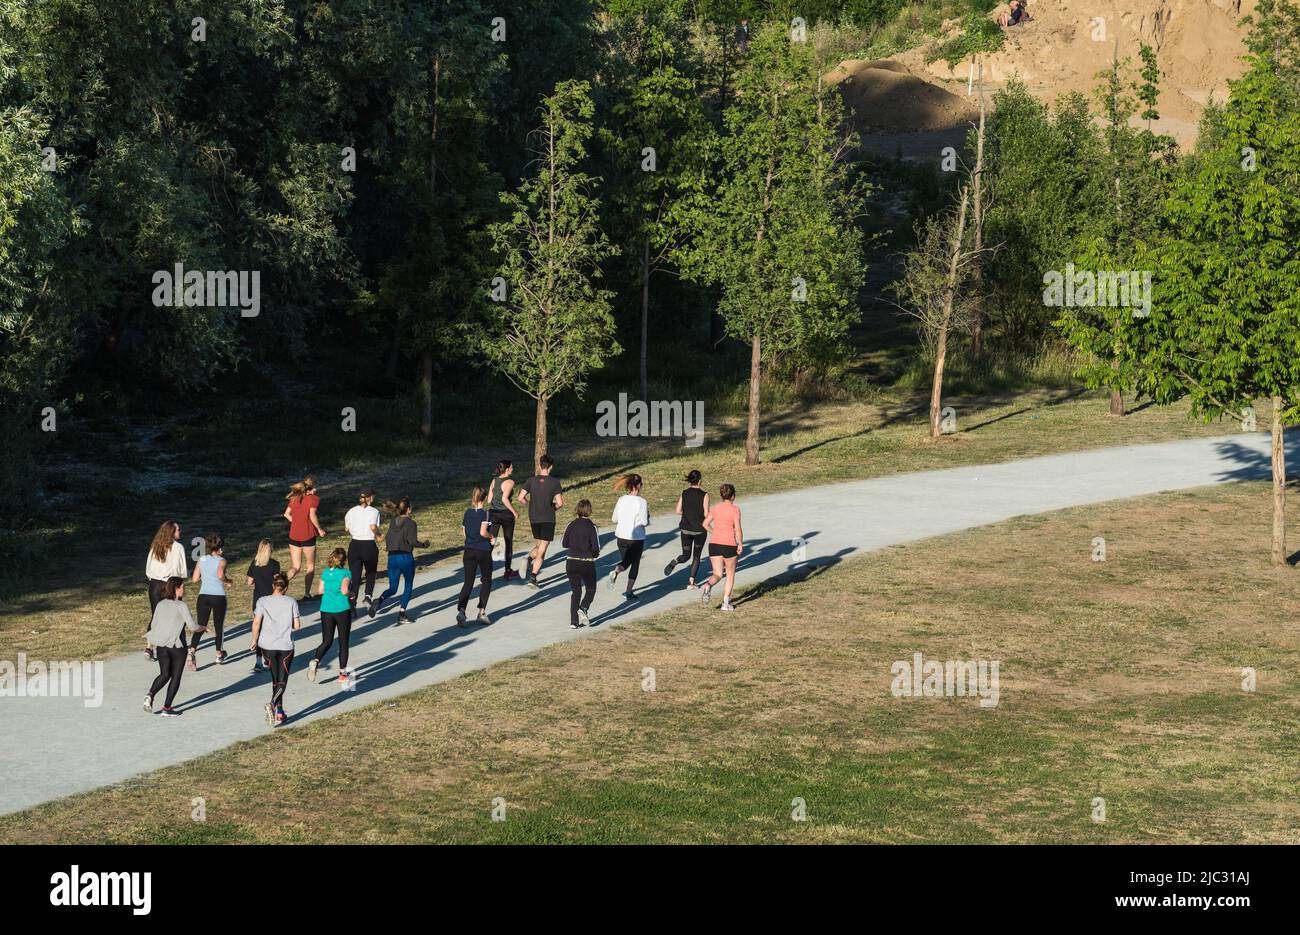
[171, 618]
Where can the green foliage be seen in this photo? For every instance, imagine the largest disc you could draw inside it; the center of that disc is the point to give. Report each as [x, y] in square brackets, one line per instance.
[555, 326]
[978, 34]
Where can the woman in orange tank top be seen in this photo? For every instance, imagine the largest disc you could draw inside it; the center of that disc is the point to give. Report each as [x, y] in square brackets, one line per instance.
[726, 542]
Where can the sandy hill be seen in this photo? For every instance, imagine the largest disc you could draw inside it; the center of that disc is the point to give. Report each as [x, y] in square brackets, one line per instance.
[1198, 43]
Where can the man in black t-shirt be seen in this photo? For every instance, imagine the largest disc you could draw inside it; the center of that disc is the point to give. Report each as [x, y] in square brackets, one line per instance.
[543, 496]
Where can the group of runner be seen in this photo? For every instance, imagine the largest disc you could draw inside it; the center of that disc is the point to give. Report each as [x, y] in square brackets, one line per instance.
[174, 635]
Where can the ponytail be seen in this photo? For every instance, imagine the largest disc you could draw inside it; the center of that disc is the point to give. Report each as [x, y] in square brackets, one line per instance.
[694, 477]
[501, 468]
[627, 482]
[400, 508]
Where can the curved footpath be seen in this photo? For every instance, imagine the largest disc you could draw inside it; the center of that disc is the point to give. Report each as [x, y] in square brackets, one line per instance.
[57, 746]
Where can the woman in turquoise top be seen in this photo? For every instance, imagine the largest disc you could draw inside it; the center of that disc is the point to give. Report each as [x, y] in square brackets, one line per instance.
[334, 586]
[211, 571]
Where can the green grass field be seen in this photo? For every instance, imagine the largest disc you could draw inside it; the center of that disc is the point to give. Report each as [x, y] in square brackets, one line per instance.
[1120, 680]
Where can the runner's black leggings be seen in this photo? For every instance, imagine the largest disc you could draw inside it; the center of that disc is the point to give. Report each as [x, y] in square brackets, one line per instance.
[157, 589]
[340, 620]
[214, 604]
[278, 663]
[476, 561]
[629, 558]
[362, 554]
[582, 579]
[692, 549]
[171, 666]
[503, 523]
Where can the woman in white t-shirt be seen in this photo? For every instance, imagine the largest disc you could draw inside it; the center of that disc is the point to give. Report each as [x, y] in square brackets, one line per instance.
[631, 517]
[166, 560]
[362, 522]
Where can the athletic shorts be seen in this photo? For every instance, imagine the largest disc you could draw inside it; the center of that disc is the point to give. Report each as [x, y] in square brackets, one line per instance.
[544, 532]
[721, 551]
[303, 543]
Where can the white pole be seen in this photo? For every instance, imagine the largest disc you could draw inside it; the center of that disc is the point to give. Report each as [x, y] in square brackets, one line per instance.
[970, 81]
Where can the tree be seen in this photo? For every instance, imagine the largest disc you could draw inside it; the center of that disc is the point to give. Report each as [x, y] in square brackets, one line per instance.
[1224, 328]
[772, 219]
[652, 102]
[555, 325]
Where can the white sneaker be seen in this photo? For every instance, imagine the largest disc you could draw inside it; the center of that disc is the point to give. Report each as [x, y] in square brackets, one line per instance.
[311, 670]
[726, 605]
[148, 704]
[704, 593]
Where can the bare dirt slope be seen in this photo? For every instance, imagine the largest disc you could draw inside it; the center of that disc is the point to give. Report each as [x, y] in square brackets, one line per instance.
[1199, 45]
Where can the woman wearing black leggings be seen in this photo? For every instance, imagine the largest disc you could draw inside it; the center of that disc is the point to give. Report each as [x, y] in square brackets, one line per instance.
[692, 507]
[583, 545]
[275, 619]
[503, 514]
[631, 517]
[479, 540]
[362, 522]
[171, 618]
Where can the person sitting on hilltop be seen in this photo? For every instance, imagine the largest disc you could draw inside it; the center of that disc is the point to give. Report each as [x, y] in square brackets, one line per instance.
[1016, 15]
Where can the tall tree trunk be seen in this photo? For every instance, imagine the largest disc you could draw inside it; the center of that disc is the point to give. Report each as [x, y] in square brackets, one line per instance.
[1117, 402]
[755, 386]
[977, 271]
[394, 352]
[645, 315]
[1279, 485]
[539, 430]
[426, 394]
[949, 298]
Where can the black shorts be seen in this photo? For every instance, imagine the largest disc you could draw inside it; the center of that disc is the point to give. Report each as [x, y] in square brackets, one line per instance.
[544, 532]
[722, 551]
[303, 543]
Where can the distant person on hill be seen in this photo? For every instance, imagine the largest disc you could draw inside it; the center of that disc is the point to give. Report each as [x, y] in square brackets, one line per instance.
[362, 522]
[543, 496]
[692, 507]
[210, 574]
[583, 544]
[402, 539]
[723, 523]
[261, 576]
[304, 528]
[274, 620]
[503, 514]
[171, 618]
[476, 524]
[1015, 15]
[166, 560]
[631, 517]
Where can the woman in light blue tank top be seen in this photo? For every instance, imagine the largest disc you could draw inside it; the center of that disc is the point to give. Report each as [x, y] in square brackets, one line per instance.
[210, 571]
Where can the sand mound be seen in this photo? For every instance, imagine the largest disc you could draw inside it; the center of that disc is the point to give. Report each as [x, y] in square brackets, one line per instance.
[886, 96]
[1198, 44]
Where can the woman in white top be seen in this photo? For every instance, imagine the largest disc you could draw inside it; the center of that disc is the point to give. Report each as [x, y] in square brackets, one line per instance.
[362, 522]
[631, 517]
[166, 560]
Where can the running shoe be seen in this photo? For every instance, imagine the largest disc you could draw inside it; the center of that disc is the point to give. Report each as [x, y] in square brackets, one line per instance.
[374, 608]
[270, 715]
[612, 579]
[704, 592]
[402, 618]
[192, 663]
[583, 618]
[532, 583]
[668, 569]
[691, 585]
[344, 678]
[221, 657]
[311, 669]
[510, 574]
[169, 712]
[629, 596]
[483, 618]
[279, 716]
[148, 704]
[460, 618]
[575, 625]
[148, 654]
[726, 605]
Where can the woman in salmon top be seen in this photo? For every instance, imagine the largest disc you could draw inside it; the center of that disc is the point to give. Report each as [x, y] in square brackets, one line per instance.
[726, 542]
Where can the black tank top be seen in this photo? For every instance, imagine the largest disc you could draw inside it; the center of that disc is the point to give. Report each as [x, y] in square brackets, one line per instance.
[692, 510]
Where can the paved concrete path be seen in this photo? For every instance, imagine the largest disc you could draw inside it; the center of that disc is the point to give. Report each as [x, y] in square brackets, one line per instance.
[56, 746]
